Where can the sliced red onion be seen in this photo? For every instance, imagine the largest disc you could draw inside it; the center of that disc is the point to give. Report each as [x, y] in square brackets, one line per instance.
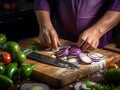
[96, 57]
[72, 56]
[84, 58]
[73, 60]
[74, 51]
[62, 53]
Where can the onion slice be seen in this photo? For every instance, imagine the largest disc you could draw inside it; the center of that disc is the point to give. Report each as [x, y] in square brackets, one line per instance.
[34, 86]
[73, 60]
[62, 53]
[96, 56]
[84, 58]
[74, 51]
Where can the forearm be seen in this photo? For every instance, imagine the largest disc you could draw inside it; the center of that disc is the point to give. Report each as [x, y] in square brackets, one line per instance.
[107, 22]
[43, 18]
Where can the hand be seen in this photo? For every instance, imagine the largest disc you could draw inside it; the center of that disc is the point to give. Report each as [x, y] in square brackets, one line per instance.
[89, 40]
[49, 38]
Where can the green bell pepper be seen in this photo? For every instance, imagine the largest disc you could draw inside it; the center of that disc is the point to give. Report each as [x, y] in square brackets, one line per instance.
[26, 70]
[10, 70]
[2, 68]
[5, 81]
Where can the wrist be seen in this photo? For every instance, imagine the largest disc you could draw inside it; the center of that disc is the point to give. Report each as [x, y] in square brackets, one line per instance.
[47, 26]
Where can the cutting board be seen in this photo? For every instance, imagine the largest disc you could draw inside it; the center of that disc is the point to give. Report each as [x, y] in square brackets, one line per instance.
[58, 77]
[112, 47]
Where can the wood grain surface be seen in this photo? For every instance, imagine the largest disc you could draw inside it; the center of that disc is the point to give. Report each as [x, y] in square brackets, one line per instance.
[59, 77]
[112, 47]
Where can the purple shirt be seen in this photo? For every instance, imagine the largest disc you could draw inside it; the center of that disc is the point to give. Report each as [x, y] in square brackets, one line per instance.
[74, 16]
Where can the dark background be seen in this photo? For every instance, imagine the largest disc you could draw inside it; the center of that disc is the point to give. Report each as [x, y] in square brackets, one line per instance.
[20, 23]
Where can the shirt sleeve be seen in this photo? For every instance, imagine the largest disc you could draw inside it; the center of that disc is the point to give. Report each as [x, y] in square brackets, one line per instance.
[41, 5]
[115, 5]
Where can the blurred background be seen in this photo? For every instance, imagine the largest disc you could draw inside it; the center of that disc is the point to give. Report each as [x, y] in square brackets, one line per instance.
[17, 19]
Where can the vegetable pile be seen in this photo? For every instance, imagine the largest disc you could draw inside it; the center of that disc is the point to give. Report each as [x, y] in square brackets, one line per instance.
[11, 59]
[75, 55]
[112, 73]
[89, 85]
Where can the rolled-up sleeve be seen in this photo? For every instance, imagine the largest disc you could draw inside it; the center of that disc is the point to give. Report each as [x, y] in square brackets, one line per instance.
[115, 5]
[41, 5]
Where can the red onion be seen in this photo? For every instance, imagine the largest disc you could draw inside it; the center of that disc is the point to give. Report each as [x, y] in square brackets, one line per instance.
[34, 86]
[96, 56]
[73, 60]
[84, 58]
[72, 56]
[62, 53]
[74, 51]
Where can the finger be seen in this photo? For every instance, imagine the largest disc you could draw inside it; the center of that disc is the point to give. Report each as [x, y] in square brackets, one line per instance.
[81, 40]
[54, 41]
[93, 46]
[58, 41]
[85, 46]
[42, 41]
[46, 35]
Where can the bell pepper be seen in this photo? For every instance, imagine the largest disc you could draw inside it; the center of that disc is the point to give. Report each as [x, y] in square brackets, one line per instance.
[2, 68]
[5, 81]
[10, 69]
[26, 70]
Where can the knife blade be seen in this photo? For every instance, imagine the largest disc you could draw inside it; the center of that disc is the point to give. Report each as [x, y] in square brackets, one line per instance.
[49, 60]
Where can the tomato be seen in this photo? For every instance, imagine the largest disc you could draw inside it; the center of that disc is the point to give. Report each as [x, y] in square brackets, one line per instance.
[20, 57]
[112, 65]
[5, 57]
[3, 38]
[11, 46]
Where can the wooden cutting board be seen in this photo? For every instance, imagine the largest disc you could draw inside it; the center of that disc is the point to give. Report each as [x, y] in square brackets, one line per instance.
[59, 77]
[112, 47]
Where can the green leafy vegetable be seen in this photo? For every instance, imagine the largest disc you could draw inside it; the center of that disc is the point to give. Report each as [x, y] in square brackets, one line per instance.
[98, 86]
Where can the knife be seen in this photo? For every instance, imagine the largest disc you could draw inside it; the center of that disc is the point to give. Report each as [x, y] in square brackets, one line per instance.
[49, 60]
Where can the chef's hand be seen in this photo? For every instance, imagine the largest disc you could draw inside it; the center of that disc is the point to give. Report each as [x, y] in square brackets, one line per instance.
[49, 38]
[89, 39]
